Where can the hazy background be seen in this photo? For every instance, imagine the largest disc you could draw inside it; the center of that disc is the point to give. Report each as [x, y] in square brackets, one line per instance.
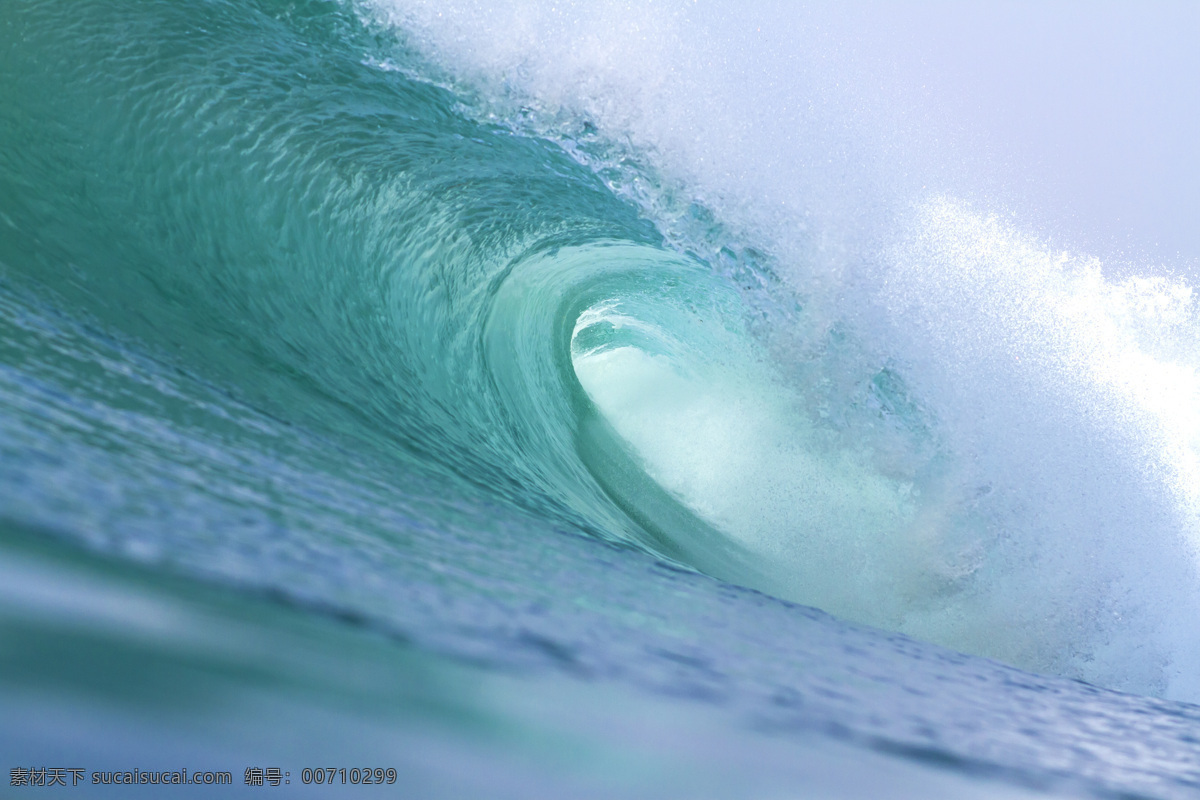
[1088, 112]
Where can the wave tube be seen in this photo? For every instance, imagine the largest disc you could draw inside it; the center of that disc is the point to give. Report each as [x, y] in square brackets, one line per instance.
[913, 414]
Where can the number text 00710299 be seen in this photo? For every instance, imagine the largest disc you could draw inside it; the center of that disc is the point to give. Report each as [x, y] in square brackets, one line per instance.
[366, 775]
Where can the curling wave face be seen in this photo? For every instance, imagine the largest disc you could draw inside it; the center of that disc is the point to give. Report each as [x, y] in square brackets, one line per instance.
[959, 436]
[920, 417]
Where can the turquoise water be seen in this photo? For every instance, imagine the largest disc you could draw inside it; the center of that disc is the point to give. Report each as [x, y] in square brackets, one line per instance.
[357, 409]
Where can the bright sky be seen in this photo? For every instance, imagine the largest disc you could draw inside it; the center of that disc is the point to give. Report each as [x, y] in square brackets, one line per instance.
[1091, 111]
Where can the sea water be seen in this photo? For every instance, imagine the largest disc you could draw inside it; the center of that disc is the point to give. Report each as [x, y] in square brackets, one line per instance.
[542, 400]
